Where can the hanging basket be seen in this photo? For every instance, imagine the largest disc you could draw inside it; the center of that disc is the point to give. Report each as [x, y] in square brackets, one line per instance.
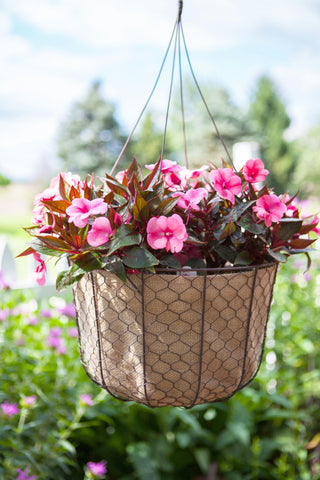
[175, 338]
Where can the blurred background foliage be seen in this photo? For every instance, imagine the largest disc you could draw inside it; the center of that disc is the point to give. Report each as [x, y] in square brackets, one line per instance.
[268, 431]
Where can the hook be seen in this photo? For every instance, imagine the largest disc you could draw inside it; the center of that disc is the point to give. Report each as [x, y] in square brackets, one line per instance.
[180, 3]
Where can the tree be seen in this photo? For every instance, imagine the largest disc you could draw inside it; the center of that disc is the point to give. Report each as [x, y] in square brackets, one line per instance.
[148, 145]
[269, 114]
[90, 139]
[203, 143]
[307, 174]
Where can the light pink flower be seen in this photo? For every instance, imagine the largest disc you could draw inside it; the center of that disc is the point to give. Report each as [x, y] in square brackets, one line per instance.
[173, 181]
[226, 183]
[120, 176]
[24, 474]
[29, 401]
[269, 208]
[68, 310]
[81, 209]
[254, 171]
[33, 320]
[167, 167]
[41, 269]
[86, 399]
[9, 409]
[73, 332]
[166, 232]
[192, 198]
[98, 469]
[100, 232]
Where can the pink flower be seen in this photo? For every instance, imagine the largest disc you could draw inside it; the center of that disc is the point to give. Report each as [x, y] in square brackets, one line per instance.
[86, 399]
[254, 171]
[81, 209]
[269, 208]
[226, 183]
[100, 232]
[30, 400]
[68, 310]
[24, 475]
[9, 409]
[192, 198]
[98, 469]
[167, 167]
[33, 320]
[73, 332]
[40, 272]
[166, 232]
[173, 181]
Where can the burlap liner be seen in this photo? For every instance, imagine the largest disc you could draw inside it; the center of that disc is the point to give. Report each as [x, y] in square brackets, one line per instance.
[163, 339]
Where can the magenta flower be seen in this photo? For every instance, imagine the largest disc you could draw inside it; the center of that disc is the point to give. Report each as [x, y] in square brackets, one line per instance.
[40, 272]
[100, 232]
[226, 183]
[254, 171]
[54, 342]
[166, 232]
[168, 166]
[98, 469]
[192, 198]
[68, 310]
[73, 332]
[24, 475]
[86, 399]
[9, 409]
[269, 208]
[81, 209]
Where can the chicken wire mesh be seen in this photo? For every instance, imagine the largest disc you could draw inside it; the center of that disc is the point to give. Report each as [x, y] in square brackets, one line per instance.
[174, 339]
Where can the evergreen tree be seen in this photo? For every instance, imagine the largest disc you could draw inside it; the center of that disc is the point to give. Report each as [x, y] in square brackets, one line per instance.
[90, 139]
[148, 145]
[203, 143]
[269, 114]
[307, 174]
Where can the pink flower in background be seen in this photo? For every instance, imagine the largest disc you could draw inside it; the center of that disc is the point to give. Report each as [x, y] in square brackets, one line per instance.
[41, 269]
[4, 313]
[254, 171]
[33, 320]
[120, 176]
[9, 409]
[192, 198]
[100, 232]
[73, 332]
[24, 474]
[168, 166]
[68, 310]
[30, 400]
[81, 209]
[86, 399]
[269, 208]
[98, 469]
[226, 183]
[166, 232]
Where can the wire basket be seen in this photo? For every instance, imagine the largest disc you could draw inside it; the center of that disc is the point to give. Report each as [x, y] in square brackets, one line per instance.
[174, 338]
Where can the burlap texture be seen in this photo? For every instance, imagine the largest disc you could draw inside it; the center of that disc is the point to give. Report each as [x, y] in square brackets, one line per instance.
[163, 339]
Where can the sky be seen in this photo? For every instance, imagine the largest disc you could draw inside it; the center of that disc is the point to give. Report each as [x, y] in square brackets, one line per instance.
[52, 50]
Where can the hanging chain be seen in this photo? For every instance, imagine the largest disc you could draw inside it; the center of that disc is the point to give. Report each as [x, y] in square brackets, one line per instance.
[177, 34]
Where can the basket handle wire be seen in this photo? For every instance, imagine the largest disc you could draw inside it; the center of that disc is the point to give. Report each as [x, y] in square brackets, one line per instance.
[176, 36]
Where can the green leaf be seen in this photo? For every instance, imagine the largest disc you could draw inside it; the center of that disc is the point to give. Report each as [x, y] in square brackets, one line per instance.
[247, 222]
[139, 257]
[277, 255]
[140, 208]
[224, 231]
[243, 258]
[116, 266]
[123, 238]
[40, 247]
[170, 261]
[135, 168]
[237, 211]
[88, 262]
[195, 263]
[59, 206]
[117, 187]
[68, 277]
[225, 252]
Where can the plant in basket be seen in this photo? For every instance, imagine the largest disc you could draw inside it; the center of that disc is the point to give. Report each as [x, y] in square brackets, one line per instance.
[172, 218]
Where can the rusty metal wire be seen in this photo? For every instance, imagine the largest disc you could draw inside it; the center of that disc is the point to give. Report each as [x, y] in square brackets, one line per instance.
[173, 338]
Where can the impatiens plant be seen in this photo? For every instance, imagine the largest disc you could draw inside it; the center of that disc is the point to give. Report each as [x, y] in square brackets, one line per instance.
[170, 218]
